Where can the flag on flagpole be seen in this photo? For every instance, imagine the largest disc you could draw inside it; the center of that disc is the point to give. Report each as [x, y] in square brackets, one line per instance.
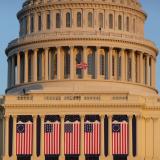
[24, 138]
[82, 65]
[72, 138]
[92, 138]
[52, 138]
[120, 138]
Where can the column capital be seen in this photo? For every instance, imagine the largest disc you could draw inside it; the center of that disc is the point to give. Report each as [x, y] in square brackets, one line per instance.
[46, 48]
[34, 116]
[42, 116]
[6, 116]
[130, 116]
[102, 116]
[85, 47]
[36, 49]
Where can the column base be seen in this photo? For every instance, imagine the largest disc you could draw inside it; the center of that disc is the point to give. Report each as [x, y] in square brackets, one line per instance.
[109, 157]
[34, 158]
[5, 158]
[81, 157]
[102, 157]
[61, 157]
[41, 158]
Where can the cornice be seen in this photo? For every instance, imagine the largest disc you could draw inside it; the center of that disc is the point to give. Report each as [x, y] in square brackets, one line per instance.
[41, 39]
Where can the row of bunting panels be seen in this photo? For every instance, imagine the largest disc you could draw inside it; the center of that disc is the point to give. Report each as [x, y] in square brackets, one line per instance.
[72, 136]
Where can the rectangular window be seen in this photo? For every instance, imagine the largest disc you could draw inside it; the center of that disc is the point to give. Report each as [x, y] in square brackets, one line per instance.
[48, 21]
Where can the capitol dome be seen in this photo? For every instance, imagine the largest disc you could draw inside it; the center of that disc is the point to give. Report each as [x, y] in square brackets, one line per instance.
[81, 83]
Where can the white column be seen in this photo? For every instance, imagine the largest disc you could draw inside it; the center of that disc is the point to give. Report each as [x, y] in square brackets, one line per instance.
[6, 136]
[82, 157]
[143, 136]
[149, 138]
[97, 64]
[35, 64]
[42, 137]
[18, 67]
[72, 67]
[13, 70]
[34, 137]
[14, 136]
[46, 63]
[110, 136]
[62, 139]
[147, 70]
[26, 66]
[141, 69]
[102, 137]
[85, 61]
[123, 71]
[59, 75]
[153, 71]
[133, 66]
[139, 136]
[110, 63]
[130, 137]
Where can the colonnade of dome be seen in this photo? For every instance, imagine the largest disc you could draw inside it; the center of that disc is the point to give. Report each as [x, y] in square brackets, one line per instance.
[78, 62]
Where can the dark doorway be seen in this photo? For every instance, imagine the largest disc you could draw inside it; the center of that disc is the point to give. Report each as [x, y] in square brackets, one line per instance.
[51, 157]
[120, 157]
[92, 158]
[23, 157]
[72, 158]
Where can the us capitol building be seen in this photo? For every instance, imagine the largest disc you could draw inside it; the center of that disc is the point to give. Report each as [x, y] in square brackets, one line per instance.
[81, 61]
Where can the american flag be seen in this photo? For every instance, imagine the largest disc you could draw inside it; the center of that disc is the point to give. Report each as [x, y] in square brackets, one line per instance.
[72, 138]
[92, 138]
[120, 138]
[82, 65]
[24, 138]
[52, 138]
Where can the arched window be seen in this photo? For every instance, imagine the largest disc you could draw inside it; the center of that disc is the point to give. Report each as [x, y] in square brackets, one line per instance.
[53, 64]
[58, 20]
[90, 19]
[32, 24]
[79, 61]
[102, 62]
[79, 19]
[110, 21]
[127, 24]
[66, 64]
[100, 17]
[30, 66]
[68, 19]
[134, 26]
[120, 22]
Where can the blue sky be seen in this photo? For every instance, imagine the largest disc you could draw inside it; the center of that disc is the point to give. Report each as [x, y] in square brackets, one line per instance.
[9, 29]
